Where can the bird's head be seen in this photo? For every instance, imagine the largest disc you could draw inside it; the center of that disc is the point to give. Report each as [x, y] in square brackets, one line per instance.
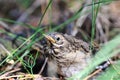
[56, 39]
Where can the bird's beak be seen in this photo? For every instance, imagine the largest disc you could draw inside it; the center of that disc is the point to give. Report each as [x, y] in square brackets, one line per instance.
[49, 38]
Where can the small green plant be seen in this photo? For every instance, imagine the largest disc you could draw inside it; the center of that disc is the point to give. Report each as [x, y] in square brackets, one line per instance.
[30, 62]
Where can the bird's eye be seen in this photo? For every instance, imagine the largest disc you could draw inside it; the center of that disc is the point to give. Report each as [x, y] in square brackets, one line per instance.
[57, 38]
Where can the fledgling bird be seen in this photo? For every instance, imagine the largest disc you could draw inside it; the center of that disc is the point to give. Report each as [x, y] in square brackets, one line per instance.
[71, 55]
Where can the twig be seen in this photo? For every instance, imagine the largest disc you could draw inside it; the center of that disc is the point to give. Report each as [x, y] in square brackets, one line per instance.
[3, 77]
[28, 76]
[20, 76]
[5, 26]
[100, 68]
[1, 46]
[43, 66]
[7, 73]
[8, 54]
[91, 75]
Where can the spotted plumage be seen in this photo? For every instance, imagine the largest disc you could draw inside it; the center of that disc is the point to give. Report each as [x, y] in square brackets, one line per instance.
[71, 55]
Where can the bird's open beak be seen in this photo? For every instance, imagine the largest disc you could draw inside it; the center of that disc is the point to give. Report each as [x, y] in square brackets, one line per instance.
[49, 38]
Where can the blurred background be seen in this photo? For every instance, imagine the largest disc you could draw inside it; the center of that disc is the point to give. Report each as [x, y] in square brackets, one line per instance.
[18, 16]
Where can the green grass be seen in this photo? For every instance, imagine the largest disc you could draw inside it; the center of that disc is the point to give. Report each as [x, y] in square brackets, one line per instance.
[106, 52]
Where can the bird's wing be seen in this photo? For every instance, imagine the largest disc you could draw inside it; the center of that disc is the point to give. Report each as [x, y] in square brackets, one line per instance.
[78, 43]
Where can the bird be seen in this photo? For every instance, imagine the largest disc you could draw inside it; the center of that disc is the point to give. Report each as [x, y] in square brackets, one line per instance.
[71, 55]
